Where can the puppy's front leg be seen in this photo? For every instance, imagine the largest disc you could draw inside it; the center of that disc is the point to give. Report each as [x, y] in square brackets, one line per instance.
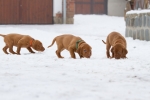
[81, 56]
[18, 50]
[72, 53]
[30, 50]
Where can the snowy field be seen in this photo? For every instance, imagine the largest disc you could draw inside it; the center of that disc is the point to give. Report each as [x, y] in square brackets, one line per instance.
[43, 76]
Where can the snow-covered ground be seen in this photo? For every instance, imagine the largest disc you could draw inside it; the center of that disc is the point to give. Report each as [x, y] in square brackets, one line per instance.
[43, 76]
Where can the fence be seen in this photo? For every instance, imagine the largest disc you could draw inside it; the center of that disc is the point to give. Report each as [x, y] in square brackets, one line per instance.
[142, 4]
[138, 25]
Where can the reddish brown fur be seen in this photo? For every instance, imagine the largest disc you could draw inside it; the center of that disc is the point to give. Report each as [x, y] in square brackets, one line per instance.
[21, 41]
[68, 42]
[118, 44]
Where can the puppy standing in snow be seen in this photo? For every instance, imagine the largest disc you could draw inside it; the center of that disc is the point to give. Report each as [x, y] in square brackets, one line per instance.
[118, 44]
[21, 41]
[72, 44]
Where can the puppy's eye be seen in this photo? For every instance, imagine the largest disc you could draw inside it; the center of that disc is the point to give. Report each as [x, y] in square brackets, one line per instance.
[84, 50]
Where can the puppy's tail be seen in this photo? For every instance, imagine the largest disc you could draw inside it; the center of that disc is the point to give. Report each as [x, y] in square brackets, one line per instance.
[52, 42]
[2, 35]
[103, 41]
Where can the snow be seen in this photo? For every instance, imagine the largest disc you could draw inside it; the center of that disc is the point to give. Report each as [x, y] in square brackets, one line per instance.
[43, 76]
[138, 11]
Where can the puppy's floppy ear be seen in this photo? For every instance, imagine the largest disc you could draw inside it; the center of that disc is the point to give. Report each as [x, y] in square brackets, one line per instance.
[35, 44]
[79, 50]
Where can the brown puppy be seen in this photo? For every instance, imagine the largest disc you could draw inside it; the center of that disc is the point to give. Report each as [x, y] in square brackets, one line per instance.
[118, 43]
[72, 44]
[20, 41]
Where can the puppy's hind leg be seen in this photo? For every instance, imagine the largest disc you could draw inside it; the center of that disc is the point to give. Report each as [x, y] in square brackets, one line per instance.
[58, 51]
[107, 50]
[5, 49]
[11, 49]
